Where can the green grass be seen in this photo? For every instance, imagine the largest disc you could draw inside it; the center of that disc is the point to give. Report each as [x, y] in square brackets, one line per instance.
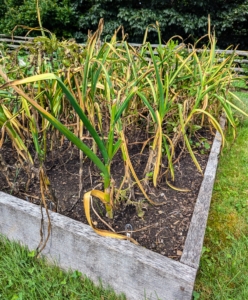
[223, 272]
[22, 276]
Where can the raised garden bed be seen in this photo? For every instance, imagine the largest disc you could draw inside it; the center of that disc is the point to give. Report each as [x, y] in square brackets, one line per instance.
[162, 228]
[131, 269]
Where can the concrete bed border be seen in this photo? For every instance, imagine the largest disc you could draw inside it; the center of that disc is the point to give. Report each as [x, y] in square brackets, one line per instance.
[137, 272]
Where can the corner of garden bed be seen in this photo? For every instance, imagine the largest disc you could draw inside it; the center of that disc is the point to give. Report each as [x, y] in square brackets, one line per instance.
[133, 270]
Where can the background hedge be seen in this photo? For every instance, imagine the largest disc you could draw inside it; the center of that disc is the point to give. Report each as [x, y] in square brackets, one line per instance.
[73, 18]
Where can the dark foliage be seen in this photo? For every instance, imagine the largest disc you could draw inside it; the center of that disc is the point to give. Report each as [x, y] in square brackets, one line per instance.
[73, 18]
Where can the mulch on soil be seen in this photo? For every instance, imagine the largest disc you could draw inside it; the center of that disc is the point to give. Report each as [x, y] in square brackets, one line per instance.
[162, 229]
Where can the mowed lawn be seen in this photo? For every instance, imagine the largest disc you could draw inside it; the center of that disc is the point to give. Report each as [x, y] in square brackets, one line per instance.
[223, 272]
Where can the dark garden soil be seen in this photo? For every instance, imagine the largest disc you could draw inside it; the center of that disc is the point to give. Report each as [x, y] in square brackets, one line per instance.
[162, 229]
